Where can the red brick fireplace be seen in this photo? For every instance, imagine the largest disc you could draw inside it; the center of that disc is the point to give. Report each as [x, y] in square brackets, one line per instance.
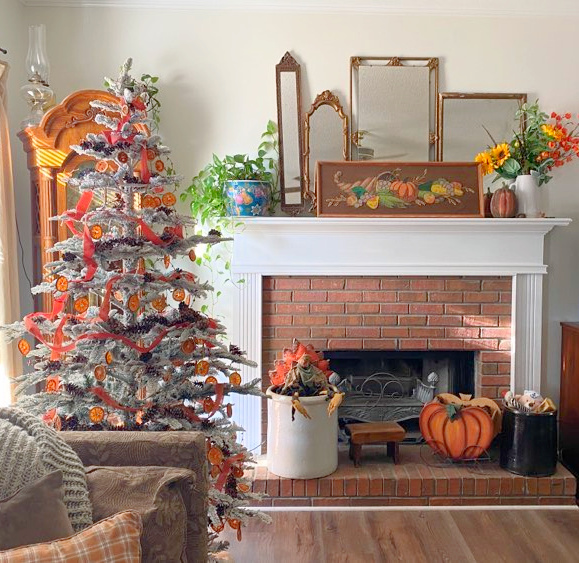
[393, 313]
[392, 284]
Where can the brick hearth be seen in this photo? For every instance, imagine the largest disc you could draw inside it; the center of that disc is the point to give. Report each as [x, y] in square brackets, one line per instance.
[393, 313]
[419, 480]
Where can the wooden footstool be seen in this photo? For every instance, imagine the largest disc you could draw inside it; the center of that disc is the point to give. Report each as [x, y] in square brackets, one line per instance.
[390, 433]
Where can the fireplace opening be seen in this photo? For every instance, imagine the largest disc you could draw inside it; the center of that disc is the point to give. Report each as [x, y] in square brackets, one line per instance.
[394, 385]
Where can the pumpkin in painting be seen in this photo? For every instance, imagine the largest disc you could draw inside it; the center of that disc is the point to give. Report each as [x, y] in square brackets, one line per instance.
[504, 203]
[406, 191]
[455, 431]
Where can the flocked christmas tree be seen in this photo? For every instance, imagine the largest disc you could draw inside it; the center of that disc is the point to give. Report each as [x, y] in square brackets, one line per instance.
[124, 347]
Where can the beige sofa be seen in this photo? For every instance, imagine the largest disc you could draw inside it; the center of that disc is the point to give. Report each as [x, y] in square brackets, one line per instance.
[162, 475]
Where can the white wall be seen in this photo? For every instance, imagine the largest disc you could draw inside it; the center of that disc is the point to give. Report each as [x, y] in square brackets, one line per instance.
[218, 84]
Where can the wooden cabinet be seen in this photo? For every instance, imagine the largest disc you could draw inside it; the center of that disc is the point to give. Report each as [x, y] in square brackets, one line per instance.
[569, 401]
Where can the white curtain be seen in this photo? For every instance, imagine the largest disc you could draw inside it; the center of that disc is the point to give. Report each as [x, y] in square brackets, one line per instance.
[10, 361]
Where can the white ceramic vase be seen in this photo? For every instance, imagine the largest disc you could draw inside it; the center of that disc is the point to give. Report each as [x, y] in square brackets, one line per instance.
[528, 195]
[302, 448]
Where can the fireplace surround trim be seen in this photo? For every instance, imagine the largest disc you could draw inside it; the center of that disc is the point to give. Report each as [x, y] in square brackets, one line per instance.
[406, 247]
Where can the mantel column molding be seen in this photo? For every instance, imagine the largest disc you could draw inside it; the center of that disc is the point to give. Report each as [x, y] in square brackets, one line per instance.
[527, 319]
[246, 334]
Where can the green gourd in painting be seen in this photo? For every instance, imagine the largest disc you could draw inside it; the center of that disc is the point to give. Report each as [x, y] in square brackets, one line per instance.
[504, 203]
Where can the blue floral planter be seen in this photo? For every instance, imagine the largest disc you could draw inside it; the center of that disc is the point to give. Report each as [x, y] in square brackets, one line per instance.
[247, 198]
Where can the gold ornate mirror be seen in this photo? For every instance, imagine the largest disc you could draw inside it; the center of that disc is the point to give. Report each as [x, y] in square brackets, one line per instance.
[464, 118]
[393, 103]
[325, 137]
[289, 122]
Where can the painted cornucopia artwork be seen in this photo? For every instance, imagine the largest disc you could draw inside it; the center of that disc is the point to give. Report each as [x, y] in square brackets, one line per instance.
[386, 189]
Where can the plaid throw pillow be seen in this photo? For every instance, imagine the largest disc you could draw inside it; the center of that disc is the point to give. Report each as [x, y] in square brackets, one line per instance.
[114, 540]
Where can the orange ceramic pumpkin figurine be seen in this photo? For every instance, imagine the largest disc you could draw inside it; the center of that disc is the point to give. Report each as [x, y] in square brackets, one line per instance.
[456, 431]
[504, 203]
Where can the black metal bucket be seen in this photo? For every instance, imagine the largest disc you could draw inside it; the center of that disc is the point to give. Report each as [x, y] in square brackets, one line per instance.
[529, 443]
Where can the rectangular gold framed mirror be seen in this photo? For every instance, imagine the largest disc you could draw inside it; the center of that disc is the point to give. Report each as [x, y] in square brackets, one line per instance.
[467, 119]
[393, 103]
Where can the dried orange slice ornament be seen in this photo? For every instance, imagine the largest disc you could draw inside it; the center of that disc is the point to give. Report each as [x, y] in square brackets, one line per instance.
[109, 357]
[23, 346]
[192, 255]
[215, 456]
[211, 380]
[156, 201]
[96, 414]
[159, 165]
[123, 157]
[148, 201]
[243, 487]
[235, 378]
[81, 305]
[234, 523]
[169, 199]
[208, 404]
[118, 296]
[219, 527]
[151, 154]
[188, 346]
[202, 367]
[100, 373]
[101, 166]
[229, 410]
[134, 303]
[61, 283]
[166, 260]
[179, 294]
[96, 232]
[159, 303]
[52, 384]
[237, 472]
[215, 471]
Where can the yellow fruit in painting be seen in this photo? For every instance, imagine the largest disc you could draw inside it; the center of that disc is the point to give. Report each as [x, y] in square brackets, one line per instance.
[429, 197]
[373, 202]
[458, 192]
[438, 189]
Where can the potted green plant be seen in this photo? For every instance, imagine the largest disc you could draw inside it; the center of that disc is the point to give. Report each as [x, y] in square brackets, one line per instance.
[237, 185]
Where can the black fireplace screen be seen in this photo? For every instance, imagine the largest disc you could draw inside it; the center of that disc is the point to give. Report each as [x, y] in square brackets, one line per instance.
[394, 385]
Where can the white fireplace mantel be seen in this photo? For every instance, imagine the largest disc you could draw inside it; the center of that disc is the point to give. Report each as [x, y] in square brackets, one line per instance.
[268, 246]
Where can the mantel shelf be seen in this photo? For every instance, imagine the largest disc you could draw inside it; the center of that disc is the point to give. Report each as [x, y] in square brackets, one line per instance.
[361, 246]
[364, 224]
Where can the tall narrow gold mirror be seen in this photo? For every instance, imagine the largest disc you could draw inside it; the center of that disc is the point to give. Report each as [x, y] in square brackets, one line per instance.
[393, 103]
[289, 122]
[325, 137]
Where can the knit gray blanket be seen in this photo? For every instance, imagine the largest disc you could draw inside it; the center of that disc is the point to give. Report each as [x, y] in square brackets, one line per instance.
[28, 450]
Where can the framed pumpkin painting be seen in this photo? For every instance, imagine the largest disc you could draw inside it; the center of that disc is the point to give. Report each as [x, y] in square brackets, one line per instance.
[399, 189]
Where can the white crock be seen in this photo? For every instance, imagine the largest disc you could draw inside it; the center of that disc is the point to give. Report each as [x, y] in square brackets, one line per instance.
[302, 448]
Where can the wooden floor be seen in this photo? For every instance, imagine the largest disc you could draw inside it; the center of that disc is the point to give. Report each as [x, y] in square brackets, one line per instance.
[520, 536]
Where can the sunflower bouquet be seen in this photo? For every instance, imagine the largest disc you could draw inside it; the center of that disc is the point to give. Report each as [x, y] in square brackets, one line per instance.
[544, 143]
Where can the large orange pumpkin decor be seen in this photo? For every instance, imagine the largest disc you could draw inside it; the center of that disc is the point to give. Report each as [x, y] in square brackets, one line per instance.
[456, 431]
